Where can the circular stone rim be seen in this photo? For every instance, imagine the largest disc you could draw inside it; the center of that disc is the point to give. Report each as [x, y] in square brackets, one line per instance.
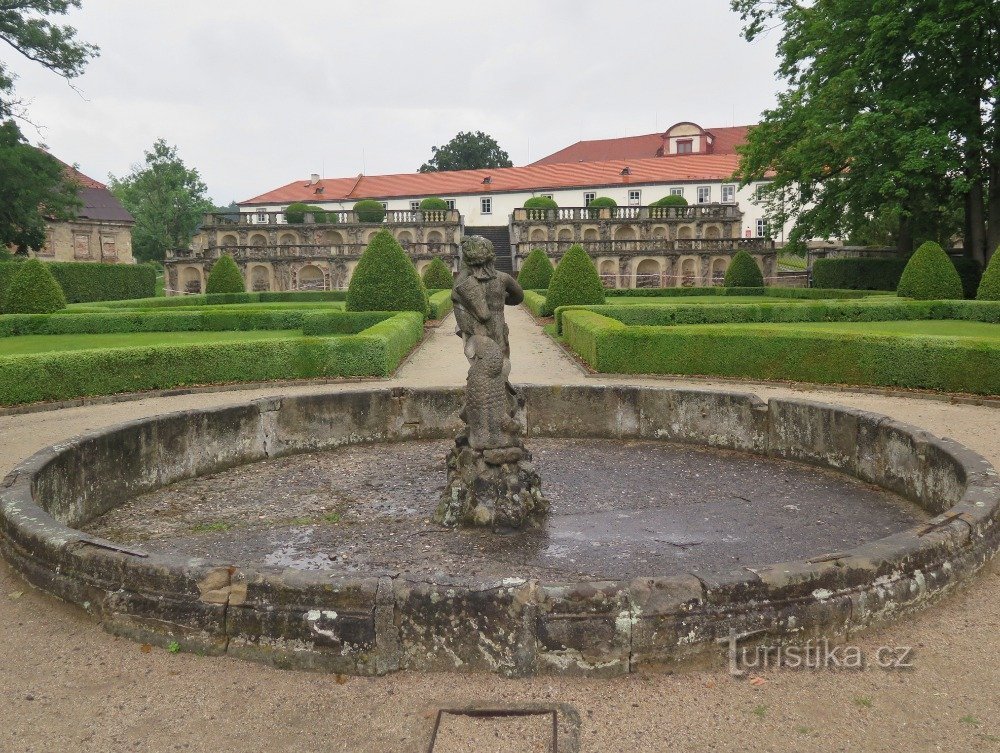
[359, 624]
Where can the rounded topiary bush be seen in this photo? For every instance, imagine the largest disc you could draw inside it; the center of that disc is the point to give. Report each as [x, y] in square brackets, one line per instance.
[437, 276]
[989, 285]
[369, 210]
[574, 282]
[670, 201]
[295, 214]
[743, 272]
[225, 277]
[386, 280]
[536, 272]
[434, 209]
[538, 207]
[601, 202]
[929, 275]
[33, 290]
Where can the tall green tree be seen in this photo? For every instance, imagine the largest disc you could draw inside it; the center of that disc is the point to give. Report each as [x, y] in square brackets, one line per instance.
[33, 187]
[167, 199]
[467, 151]
[26, 27]
[889, 116]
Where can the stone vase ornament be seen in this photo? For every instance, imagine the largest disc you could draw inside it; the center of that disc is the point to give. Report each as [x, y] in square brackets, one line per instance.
[491, 479]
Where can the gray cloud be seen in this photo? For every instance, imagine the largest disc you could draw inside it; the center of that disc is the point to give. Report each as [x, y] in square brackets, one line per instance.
[256, 94]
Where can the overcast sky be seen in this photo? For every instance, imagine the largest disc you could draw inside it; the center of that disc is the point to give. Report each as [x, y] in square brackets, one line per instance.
[258, 94]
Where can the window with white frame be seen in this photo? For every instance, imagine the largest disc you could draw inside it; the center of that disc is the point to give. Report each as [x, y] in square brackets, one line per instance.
[762, 229]
[634, 197]
[588, 197]
[414, 206]
[486, 205]
[547, 195]
[450, 203]
[385, 205]
[729, 194]
[704, 194]
[261, 216]
[677, 191]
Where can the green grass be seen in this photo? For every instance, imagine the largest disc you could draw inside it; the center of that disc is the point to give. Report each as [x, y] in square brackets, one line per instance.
[933, 328]
[11, 346]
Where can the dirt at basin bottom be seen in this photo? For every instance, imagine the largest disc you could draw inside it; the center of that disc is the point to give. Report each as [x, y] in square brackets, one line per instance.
[619, 509]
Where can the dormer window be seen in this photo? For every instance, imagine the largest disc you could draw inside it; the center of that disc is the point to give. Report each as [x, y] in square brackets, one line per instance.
[487, 180]
[685, 146]
[626, 171]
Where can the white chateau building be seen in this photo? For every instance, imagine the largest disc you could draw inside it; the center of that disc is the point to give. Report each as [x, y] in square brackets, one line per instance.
[632, 245]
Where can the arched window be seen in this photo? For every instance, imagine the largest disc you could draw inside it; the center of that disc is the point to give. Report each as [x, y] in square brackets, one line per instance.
[191, 280]
[311, 278]
[647, 274]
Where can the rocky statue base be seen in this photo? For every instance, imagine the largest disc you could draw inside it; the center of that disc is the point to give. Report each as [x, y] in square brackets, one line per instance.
[497, 488]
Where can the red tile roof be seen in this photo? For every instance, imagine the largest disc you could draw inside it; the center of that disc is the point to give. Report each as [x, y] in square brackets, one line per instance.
[537, 177]
[638, 147]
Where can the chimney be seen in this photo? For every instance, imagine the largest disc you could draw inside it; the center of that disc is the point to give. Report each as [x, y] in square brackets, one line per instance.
[314, 179]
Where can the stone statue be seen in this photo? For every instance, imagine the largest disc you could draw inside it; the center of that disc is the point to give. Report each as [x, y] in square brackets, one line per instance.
[491, 479]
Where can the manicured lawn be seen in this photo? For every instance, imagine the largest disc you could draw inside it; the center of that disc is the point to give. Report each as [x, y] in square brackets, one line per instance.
[933, 328]
[10, 346]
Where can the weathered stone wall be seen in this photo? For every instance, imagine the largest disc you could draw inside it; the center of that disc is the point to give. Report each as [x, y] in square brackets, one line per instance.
[369, 625]
[88, 240]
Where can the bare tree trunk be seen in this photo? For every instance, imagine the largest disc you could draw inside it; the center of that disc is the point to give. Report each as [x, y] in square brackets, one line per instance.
[993, 212]
[904, 237]
[975, 241]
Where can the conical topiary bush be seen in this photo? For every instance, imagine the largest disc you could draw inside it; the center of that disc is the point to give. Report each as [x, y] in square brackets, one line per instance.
[743, 272]
[225, 277]
[536, 272]
[33, 290]
[437, 276]
[929, 275]
[989, 286]
[386, 280]
[574, 282]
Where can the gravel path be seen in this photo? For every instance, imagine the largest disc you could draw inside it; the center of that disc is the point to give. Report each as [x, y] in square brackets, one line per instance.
[68, 686]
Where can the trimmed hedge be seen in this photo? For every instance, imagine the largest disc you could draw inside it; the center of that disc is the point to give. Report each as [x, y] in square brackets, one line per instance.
[385, 279]
[743, 272]
[375, 351]
[540, 202]
[930, 275]
[601, 202]
[970, 272]
[433, 203]
[295, 214]
[85, 282]
[858, 274]
[670, 200]
[778, 353]
[989, 286]
[575, 281]
[891, 309]
[437, 276]
[33, 290]
[440, 304]
[535, 302]
[203, 299]
[536, 272]
[225, 277]
[369, 210]
[223, 320]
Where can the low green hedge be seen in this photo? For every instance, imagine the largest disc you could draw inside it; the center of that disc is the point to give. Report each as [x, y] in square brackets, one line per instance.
[375, 351]
[199, 320]
[440, 303]
[777, 353]
[535, 301]
[890, 309]
[85, 282]
[204, 299]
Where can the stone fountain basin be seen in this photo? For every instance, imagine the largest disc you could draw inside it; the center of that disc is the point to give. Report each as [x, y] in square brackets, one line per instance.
[372, 620]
